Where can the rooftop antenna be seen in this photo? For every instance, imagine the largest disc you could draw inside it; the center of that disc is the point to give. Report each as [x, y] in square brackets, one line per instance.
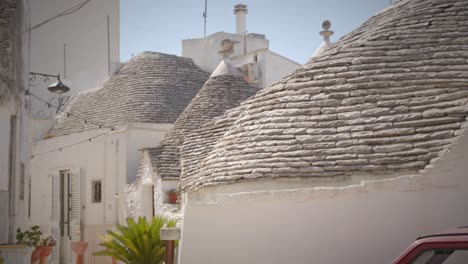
[205, 14]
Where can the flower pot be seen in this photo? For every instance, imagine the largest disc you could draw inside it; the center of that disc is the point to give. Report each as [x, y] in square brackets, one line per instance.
[36, 254]
[45, 252]
[79, 247]
[172, 197]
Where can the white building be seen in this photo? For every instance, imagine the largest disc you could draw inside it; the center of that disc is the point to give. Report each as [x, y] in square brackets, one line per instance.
[91, 152]
[251, 53]
[14, 122]
[159, 171]
[348, 159]
[81, 43]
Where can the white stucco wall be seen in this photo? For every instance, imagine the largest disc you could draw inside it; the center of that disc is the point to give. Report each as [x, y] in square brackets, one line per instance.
[85, 35]
[15, 71]
[5, 114]
[205, 51]
[148, 194]
[372, 222]
[270, 67]
[107, 158]
[142, 135]
[277, 67]
[21, 155]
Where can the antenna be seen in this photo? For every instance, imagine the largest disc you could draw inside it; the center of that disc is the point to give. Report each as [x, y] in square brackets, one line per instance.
[108, 47]
[205, 14]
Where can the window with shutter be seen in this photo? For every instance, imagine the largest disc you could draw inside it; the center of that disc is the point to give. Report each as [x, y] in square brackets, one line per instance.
[74, 209]
[65, 211]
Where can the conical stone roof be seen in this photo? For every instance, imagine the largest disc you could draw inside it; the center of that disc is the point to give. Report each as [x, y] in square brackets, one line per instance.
[151, 87]
[225, 89]
[386, 99]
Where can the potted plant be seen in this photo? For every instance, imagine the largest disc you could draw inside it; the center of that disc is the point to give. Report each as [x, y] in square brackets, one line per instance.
[30, 237]
[46, 245]
[121, 244]
[33, 237]
[172, 195]
[79, 248]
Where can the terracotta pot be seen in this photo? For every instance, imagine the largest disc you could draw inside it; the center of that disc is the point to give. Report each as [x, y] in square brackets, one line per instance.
[114, 261]
[36, 254]
[45, 252]
[172, 197]
[79, 247]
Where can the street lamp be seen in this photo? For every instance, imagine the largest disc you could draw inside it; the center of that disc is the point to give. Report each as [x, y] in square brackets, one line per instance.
[57, 87]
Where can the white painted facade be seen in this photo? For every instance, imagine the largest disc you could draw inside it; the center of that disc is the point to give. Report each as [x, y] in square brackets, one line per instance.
[369, 222]
[14, 170]
[78, 46]
[15, 147]
[111, 159]
[251, 55]
[148, 195]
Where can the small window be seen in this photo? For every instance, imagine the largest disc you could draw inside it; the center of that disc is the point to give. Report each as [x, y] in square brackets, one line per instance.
[96, 191]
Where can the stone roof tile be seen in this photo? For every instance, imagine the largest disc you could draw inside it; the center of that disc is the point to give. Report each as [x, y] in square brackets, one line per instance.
[221, 92]
[386, 99]
[151, 87]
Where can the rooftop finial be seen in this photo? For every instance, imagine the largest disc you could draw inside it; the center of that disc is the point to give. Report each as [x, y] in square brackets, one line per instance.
[227, 47]
[326, 33]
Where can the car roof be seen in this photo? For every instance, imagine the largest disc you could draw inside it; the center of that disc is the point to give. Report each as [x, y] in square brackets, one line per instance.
[459, 232]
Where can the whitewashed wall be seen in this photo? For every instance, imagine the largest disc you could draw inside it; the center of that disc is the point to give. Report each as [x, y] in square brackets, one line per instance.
[14, 75]
[85, 35]
[107, 158]
[204, 51]
[5, 113]
[277, 67]
[148, 194]
[368, 223]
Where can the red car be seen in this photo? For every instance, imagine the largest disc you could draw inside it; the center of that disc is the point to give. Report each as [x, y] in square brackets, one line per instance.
[444, 248]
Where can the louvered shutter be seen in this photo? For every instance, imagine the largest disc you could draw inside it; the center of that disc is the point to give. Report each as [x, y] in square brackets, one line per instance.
[54, 215]
[74, 209]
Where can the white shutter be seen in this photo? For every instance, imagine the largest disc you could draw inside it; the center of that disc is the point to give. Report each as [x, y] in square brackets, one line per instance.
[54, 215]
[74, 209]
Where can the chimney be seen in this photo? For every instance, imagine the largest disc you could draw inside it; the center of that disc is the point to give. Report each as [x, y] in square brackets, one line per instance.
[240, 11]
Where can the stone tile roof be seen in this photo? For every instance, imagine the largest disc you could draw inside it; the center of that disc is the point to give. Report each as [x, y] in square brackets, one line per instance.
[151, 87]
[224, 90]
[386, 99]
[198, 145]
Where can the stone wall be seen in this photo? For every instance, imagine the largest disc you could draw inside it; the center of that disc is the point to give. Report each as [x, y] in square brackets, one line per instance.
[8, 17]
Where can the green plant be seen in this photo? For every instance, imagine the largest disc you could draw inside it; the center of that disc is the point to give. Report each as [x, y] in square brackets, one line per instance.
[1, 260]
[48, 240]
[31, 237]
[137, 242]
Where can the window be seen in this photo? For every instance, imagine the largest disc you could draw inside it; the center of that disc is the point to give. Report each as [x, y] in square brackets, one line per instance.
[442, 256]
[96, 191]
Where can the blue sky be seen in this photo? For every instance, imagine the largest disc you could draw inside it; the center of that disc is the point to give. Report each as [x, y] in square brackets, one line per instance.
[291, 26]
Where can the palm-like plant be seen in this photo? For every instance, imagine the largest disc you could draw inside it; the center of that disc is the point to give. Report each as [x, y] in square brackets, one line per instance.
[137, 242]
